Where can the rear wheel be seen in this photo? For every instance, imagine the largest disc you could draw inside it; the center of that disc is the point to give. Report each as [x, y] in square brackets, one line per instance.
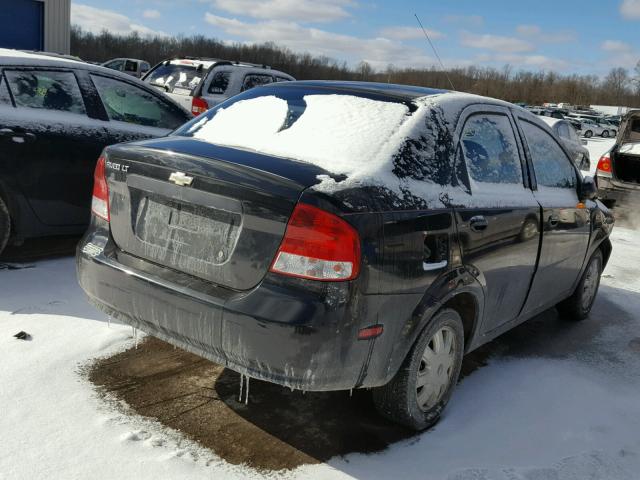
[578, 305]
[5, 225]
[418, 393]
[588, 134]
[605, 134]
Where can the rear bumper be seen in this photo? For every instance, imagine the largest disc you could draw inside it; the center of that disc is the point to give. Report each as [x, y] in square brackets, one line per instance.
[299, 334]
[618, 194]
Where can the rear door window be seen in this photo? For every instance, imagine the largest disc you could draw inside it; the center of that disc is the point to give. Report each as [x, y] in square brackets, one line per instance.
[255, 79]
[219, 82]
[46, 90]
[490, 150]
[551, 165]
[127, 103]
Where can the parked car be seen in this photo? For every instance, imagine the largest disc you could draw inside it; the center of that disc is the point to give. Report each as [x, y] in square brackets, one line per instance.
[572, 142]
[612, 127]
[618, 170]
[130, 66]
[56, 116]
[256, 236]
[591, 128]
[224, 80]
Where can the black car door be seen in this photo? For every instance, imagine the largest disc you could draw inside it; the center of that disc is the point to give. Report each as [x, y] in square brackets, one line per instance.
[565, 220]
[49, 143]
[499, 226]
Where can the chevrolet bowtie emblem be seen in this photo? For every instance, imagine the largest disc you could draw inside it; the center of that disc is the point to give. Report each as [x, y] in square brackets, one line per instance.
[179, 178]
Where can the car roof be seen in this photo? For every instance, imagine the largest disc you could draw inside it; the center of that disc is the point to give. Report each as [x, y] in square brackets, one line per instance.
[10, 57]
[124, 58]
[406, 92]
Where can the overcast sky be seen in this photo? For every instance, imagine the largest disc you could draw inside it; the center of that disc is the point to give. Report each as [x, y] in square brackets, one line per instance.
[581, 36]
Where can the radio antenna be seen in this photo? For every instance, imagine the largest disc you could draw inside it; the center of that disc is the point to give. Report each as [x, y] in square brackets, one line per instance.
[426, 35]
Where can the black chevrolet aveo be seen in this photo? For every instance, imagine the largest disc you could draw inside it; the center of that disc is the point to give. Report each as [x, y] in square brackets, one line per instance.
[336, 235]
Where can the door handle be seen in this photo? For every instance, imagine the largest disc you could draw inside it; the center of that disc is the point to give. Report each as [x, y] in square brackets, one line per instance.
[478, 223]
[553, 220]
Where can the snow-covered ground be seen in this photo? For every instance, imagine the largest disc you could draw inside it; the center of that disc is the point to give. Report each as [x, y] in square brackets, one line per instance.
[558, 401]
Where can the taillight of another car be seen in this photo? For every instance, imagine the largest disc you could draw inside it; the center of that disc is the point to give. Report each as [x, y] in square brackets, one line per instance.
[604, 166]
[318, 245]
[100, 198]
[199, 105]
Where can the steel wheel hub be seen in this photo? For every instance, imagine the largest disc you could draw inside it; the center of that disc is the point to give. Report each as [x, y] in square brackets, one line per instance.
[436, 368]
[590, 285]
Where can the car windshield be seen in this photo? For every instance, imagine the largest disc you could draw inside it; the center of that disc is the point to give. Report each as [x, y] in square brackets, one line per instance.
[176, 78]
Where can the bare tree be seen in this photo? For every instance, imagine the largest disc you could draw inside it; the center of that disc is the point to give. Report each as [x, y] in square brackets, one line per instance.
[534, 88]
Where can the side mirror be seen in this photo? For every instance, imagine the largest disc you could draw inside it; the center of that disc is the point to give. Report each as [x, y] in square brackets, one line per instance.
[588, 189]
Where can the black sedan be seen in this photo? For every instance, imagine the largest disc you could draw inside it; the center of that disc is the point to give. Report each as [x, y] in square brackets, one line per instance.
[56, 116]
[336, 235]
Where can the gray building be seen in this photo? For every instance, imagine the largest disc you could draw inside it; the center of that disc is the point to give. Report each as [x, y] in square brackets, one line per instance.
[36, 25]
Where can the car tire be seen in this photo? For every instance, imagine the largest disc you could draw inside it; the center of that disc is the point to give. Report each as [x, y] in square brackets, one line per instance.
[578, 305]
[588, 134]
[605, 134]
[5, 225]
[436, 356]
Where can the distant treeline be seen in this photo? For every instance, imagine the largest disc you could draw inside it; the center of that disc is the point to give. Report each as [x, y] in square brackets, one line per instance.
[619, 87]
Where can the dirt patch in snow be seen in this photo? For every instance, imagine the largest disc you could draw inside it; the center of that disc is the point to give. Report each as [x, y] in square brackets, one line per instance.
[278, 429]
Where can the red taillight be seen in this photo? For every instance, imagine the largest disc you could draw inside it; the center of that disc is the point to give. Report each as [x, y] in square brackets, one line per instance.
[604, 165]
[199, 105]
[100, 199]
[318, 245]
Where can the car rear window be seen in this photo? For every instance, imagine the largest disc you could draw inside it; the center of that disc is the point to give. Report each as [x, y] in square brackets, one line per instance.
[176, 78]
[342, 133]
[46, 90]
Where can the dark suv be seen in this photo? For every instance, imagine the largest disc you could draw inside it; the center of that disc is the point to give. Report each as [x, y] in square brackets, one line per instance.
[336, 235]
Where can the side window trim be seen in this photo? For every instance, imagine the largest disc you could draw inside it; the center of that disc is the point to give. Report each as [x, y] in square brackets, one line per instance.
[488, 109]
[576, 172]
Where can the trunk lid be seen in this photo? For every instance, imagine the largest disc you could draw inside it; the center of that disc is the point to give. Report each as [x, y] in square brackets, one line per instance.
[223, 226]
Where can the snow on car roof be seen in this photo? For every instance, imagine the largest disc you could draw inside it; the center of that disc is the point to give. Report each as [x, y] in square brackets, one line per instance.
[192, 62]
[30, 57]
